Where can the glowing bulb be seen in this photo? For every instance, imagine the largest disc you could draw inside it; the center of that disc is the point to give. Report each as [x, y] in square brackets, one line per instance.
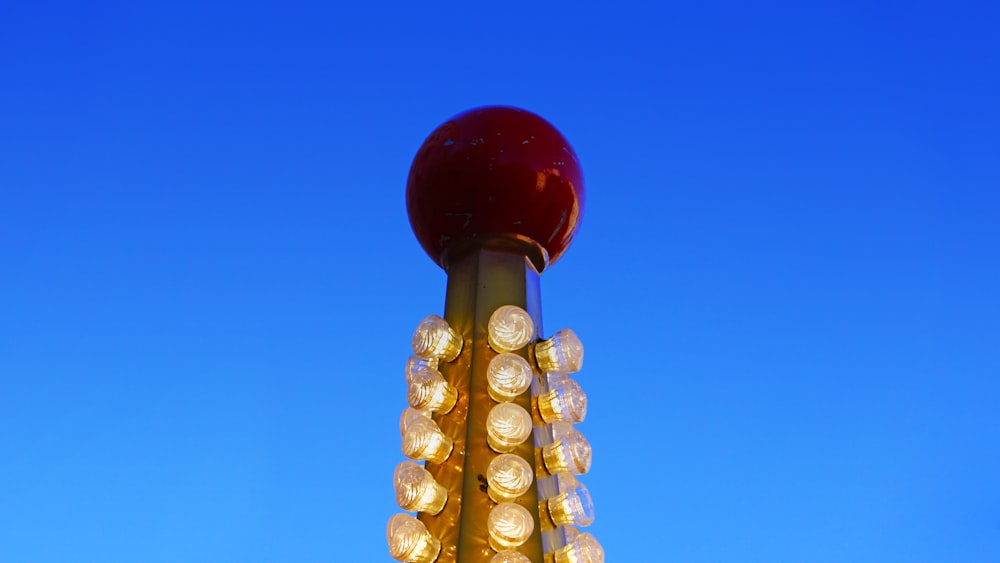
[507, 426]
[564, 403]
[571, 452]
[572, 505]
[416, 489]
[510, 556]
[424, 440]
[508, 376]
[583, 549]
[429, 390]
[510, 525]
[408, 416]
[508, 477]
[510, 328]
[416, 363]
[409, 540]
[562, 353]
[435, 339]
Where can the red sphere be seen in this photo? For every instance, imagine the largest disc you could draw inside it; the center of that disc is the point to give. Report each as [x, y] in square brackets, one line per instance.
[495, 173]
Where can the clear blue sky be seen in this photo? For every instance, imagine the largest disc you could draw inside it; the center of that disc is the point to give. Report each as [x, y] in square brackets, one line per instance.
[787, 278]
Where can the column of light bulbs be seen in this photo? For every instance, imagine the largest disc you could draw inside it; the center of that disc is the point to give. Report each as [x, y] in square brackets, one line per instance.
[558, 402]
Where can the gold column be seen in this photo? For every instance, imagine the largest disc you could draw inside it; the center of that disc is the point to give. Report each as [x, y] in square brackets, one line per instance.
[478, 283]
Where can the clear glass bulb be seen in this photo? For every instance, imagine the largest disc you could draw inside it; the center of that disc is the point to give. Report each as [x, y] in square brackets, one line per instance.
[510, 525]
[510, 556]
[508, 477]
[507, 426]
[409, 415]
[564, 403]
[429, 390]
[435, 339]
[571, 452]
[409, 540]
[510, 328]
[425, 441]
[572, 505]
[563, 352]
[583, 549]
[416, 489]
[416, 363]
[508, 375]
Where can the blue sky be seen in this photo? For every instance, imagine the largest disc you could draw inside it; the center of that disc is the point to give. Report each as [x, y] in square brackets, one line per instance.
[786, 278]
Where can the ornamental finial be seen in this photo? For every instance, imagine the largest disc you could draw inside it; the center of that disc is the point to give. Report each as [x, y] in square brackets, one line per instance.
[495, 175]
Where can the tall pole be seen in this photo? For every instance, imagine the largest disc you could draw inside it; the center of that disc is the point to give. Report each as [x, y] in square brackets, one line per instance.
[494, 196]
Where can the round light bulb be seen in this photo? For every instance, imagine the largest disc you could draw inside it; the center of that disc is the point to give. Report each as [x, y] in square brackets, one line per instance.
[563, 352]
[583, 549]
[510, 556]
[510, 328]
[409, 415]
[572, 505]
[508, 375]
[507, 426]
[409, 540]
[571, 452]
[416, 489]
[508, 477]
[429, 390]
[564, 403]
[425, 441]
[435, 339]
[510, 525]
[416, 363]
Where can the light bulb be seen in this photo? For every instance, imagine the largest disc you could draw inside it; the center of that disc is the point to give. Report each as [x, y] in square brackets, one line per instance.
[507, 426]
[510, 525]
[416, 363]
[564, 403]
[409, 415]
[572, 505]
[424, 440]
[571, 452]
[429, 390]
[416, 489]
[435, 339]
[409, 540]
[563, 352]
[582, 549]
[508, 375]
[510, 328]
[508, 477]
[510, 556]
